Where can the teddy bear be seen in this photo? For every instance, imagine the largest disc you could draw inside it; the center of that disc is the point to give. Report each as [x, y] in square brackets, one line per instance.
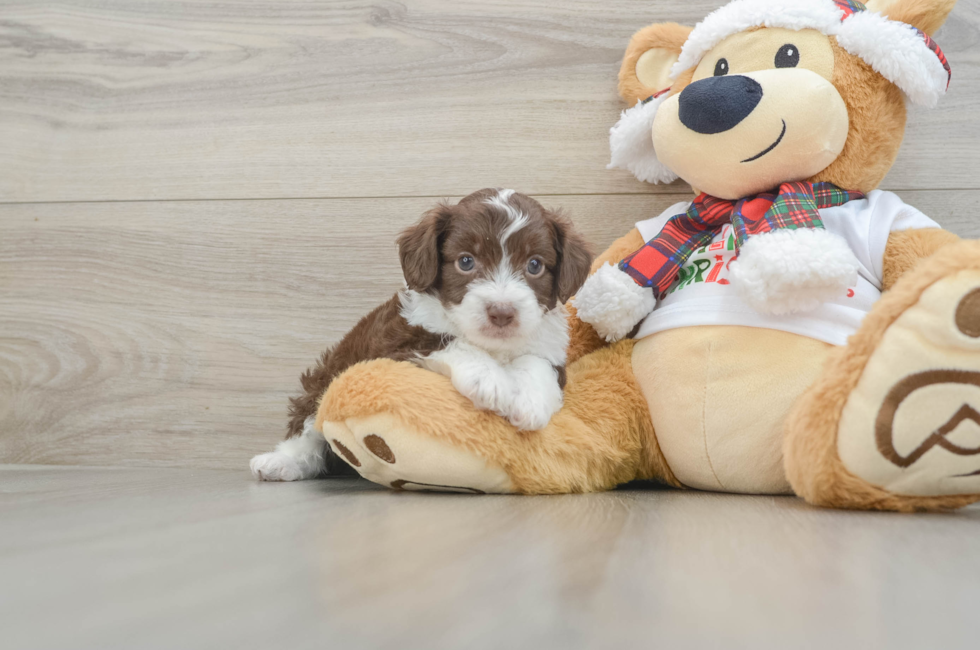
[790, 330]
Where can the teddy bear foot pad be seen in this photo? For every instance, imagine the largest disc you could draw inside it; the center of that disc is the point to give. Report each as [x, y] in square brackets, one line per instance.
[384, 452]
[912, 423]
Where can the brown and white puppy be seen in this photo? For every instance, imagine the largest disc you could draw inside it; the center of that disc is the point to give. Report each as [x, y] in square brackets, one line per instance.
[486, 282]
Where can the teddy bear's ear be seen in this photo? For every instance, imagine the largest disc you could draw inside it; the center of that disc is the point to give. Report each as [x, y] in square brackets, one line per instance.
[926, 15]
[649, 57]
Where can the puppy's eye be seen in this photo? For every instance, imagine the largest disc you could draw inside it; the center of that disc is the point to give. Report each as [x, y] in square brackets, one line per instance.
[721, 68]
[465, 263]
[788, 56]
[535, 266]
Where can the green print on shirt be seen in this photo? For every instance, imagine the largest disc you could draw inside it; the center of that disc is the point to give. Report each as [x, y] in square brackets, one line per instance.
[694, 271]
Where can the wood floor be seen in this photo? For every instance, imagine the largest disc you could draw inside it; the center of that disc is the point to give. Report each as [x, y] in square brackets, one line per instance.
[136, 558]
[196, 198]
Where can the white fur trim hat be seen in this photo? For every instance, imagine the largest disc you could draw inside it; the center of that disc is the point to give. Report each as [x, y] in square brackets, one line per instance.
[631, 142]
[897, 51]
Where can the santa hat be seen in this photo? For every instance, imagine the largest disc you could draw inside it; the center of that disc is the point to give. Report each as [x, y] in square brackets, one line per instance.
[899, 52]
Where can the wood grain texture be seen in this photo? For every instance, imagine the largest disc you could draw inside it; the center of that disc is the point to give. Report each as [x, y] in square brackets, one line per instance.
[171, 333]
[118, 100]
[146, 320]
[166, 558]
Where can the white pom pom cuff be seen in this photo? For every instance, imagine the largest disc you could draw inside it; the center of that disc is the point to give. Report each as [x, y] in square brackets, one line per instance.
[790, 271]
[612, 303]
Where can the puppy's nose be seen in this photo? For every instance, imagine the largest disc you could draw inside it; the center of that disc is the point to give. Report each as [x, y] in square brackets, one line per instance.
[717, 104]
[501, 314]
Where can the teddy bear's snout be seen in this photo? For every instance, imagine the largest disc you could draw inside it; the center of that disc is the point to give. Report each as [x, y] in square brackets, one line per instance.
[717, 104]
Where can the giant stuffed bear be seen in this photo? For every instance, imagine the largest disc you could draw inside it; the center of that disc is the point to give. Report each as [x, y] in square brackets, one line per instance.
[789, 330]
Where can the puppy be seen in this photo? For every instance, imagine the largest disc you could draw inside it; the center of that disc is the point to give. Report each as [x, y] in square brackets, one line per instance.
[486, 282]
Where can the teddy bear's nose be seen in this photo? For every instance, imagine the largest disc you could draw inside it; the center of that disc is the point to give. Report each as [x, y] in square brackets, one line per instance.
[717, 104]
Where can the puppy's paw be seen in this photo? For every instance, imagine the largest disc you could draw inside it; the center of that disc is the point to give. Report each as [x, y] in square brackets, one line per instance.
[276, 466]
[484, 387]
[530, 414]
[536, 394]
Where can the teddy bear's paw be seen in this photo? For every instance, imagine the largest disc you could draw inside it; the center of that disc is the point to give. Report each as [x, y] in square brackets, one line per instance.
[386, 452]
[912, 423]
[790, 271]
[612, 303]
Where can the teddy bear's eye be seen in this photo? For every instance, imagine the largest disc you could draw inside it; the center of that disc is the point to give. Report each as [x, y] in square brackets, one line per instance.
[721, 68]
[788, 56]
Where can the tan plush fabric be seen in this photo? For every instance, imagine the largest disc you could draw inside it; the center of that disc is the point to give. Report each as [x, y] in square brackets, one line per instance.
[752, 50]
[719, 397]
[603, 436]
[384, 451]
[907, 247]
[924, 377]
[927, 15]
[653, 68]
[661, 43]
[813, 465]
[734, 163]
[582, 337]
[628, 243]
[876, 110]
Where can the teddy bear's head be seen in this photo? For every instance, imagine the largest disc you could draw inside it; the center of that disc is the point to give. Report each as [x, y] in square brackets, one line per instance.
[764, 92]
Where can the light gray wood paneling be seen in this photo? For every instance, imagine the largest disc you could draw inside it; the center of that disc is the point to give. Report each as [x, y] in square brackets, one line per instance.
[290, 98]
[171, 333]
[165, 558]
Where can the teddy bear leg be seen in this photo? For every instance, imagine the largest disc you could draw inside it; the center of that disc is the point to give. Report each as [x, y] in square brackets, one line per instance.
[894, 421]
[407, 428]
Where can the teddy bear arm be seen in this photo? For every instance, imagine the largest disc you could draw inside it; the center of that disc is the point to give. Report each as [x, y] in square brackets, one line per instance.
[906, 247]
[405, 427]
[583, 338]
[628, 243]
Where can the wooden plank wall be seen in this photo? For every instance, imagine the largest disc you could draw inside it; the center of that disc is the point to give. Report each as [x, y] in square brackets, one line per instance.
[197, 197]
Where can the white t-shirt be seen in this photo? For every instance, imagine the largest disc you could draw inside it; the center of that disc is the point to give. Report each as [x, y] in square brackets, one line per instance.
[703, 294]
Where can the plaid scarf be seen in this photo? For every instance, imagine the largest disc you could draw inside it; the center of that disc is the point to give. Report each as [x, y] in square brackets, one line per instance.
[794, 206]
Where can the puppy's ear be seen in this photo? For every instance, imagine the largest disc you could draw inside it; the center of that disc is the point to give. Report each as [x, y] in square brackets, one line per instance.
[418, 248]
[574, 257]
